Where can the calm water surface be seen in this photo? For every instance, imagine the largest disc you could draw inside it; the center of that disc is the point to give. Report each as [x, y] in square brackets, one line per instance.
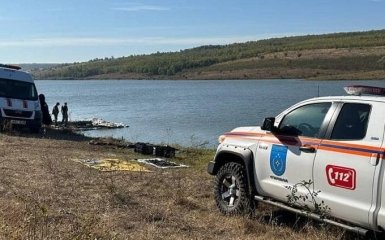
[183, 112]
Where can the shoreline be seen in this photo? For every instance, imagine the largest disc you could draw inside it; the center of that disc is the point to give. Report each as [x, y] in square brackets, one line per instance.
[378, 75]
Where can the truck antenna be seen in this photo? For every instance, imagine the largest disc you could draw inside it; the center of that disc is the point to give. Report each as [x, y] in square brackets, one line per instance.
[318, 90]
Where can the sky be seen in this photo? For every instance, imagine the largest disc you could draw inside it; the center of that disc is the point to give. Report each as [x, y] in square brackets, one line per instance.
[67, 31]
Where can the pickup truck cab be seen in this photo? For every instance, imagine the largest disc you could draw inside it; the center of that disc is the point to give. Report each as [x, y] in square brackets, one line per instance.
[19, 103]
[334, 144]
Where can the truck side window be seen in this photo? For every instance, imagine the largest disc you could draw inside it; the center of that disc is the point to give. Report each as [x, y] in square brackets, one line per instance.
[305, 120]
[352, 122]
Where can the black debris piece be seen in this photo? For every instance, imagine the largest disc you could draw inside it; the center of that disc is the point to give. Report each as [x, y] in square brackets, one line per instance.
[144, 148]
[158, 150]
[165, 151]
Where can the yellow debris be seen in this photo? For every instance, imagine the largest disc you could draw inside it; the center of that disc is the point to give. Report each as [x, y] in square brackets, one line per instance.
[112, 164]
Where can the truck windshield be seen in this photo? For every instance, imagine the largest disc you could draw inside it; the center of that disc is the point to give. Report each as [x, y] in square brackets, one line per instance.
[17, 89]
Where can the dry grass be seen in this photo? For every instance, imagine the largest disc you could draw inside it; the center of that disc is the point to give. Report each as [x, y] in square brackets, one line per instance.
[44, 194]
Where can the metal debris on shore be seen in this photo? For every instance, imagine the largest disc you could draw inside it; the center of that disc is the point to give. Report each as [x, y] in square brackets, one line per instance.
[95, 124]
[161, 163]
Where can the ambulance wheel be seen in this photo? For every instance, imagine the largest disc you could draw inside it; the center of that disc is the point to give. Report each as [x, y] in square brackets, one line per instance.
[231, 190]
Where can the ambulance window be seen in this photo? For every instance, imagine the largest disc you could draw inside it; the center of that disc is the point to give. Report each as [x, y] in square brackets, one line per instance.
[352, 122]
[305, 120]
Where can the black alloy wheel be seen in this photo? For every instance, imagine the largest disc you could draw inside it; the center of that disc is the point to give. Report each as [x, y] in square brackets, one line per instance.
[231, 190]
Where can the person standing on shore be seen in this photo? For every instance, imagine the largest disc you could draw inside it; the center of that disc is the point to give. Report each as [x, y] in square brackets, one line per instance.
[55, 112]
[64, 112]
[46, 117]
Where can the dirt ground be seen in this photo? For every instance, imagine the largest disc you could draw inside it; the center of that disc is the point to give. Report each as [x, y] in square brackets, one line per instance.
[45, 194]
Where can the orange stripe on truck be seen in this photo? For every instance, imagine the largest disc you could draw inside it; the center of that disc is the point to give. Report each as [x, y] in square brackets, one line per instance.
[326, 145]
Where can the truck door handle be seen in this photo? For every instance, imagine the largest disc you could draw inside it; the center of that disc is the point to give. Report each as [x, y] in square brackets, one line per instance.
[374, 159]
[307, 149]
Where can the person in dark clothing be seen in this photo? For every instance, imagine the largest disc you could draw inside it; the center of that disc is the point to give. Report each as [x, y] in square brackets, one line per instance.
[46, 117]
[55, 112]
[64, 112]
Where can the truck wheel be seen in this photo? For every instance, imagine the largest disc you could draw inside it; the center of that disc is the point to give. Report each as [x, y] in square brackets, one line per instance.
[231, 190]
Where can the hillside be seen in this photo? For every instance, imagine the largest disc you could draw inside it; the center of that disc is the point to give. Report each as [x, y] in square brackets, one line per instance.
[355, 55]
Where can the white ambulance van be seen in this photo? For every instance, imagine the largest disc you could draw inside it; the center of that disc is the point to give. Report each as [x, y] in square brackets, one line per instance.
[19, 102]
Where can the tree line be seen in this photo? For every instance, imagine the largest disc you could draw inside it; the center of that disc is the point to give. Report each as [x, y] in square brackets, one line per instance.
[171, 63]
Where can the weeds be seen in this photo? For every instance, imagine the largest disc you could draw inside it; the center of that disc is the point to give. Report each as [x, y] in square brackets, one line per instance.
[6, 126]
[196, 143]
[118, 196]
[308, 198]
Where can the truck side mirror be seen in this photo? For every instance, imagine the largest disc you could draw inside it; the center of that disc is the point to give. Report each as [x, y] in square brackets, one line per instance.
[268, 124]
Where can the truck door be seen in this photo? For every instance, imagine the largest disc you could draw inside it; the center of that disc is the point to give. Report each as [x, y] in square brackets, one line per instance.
[286, 156]
[347, 161]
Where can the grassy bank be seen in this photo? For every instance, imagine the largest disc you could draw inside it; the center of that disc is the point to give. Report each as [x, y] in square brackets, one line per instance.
[45, 194]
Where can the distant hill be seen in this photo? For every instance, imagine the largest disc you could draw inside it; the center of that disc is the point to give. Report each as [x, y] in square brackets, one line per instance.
[36, 66]
[353, 55]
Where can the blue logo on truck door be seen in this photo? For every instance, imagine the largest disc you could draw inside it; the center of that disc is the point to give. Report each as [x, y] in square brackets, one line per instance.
[278, 159]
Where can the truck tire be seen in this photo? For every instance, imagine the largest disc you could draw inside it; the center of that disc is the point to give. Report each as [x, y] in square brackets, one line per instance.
[231, 190]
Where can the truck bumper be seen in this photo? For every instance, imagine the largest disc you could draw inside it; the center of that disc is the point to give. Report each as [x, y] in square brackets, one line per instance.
[29, 123]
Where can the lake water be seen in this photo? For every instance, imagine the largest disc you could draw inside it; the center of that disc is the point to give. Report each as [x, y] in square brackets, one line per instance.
[185, 112]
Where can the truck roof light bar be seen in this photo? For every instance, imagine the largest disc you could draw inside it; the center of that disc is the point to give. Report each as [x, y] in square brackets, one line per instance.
[358, 90]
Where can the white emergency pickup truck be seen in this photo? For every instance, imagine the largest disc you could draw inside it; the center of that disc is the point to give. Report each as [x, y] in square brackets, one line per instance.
[322, 157]
[19, 103]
